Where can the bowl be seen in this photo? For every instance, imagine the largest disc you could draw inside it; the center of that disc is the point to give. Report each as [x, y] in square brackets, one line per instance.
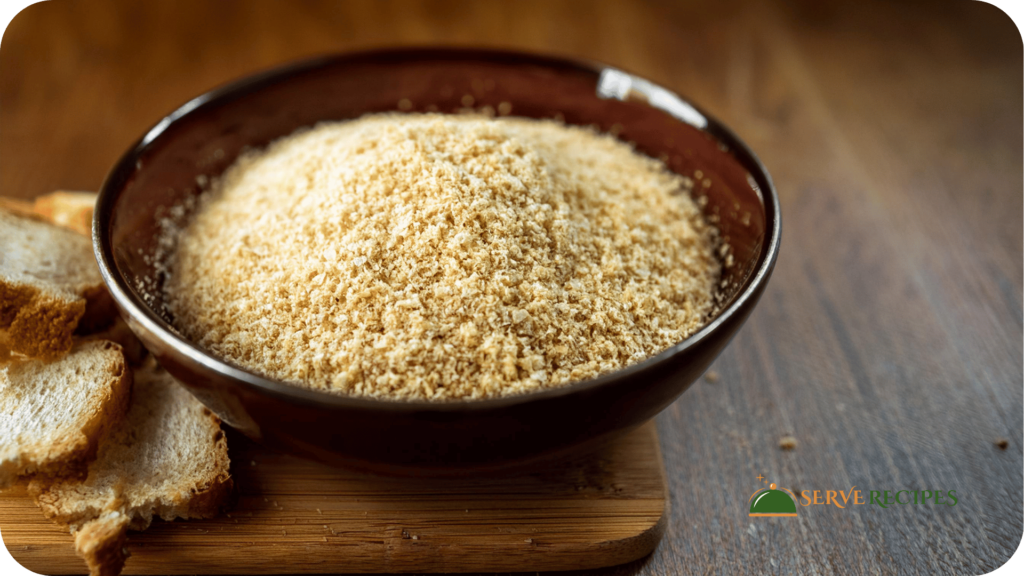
[202, 138]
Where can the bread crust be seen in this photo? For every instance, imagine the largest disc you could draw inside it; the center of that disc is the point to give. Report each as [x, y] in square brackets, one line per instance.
[36, 324]
[71, 210]
[49, 285]
[101, 543]
[18, 206]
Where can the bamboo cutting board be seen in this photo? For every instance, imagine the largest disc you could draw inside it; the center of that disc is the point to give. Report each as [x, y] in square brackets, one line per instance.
[295, 516]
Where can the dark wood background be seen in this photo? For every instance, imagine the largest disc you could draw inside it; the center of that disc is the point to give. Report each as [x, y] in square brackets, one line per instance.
[889, 342]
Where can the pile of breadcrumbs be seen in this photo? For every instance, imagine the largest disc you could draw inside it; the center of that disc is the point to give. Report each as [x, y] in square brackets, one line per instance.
[443, 257]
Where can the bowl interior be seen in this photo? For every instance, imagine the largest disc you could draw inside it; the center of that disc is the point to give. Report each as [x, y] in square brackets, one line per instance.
[200, 140]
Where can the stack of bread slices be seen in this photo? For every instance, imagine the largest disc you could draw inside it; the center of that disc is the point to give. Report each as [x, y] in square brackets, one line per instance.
[102, 437]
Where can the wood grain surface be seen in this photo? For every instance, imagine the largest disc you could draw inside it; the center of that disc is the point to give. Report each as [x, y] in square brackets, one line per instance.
[294, 515]
[888, 343]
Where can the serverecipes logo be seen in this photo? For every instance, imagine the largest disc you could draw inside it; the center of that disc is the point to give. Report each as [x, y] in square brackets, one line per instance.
[774, 501]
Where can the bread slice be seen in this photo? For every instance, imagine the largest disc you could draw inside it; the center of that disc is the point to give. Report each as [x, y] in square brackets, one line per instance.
[48, 280]
[68, 209]
[169, 458]
[52, 414]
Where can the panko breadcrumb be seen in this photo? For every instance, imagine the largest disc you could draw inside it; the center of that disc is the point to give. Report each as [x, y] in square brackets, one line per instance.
[438, 257]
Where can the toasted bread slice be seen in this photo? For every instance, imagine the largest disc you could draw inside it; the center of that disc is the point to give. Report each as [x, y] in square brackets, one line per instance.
[69, 209]
[48, 281]
[169, 458]
[52, 414]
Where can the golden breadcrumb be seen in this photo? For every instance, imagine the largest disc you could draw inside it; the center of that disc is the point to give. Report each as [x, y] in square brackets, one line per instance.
[409, 256]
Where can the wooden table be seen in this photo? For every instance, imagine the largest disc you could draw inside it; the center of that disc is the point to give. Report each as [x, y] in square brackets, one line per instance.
[888, 343]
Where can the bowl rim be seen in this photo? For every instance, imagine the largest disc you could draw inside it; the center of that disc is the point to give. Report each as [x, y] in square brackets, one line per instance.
[139, 312]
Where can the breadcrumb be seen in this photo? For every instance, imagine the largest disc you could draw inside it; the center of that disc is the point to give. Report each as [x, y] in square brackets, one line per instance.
[440, 257]
[787, 443]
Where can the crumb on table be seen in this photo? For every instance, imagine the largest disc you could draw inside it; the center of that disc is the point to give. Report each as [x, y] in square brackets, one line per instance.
[787, 442]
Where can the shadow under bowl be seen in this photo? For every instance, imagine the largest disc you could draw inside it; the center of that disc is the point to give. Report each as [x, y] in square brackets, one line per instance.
[202, 138]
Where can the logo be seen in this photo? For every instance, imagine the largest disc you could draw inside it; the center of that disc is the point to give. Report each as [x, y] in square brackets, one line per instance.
[774, 501]
[771, 501]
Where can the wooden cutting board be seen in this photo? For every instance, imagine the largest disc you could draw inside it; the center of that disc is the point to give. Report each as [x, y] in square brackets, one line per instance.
[295, 516]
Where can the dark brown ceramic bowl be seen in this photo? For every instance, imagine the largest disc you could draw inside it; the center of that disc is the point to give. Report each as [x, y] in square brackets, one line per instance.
[204, 136]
